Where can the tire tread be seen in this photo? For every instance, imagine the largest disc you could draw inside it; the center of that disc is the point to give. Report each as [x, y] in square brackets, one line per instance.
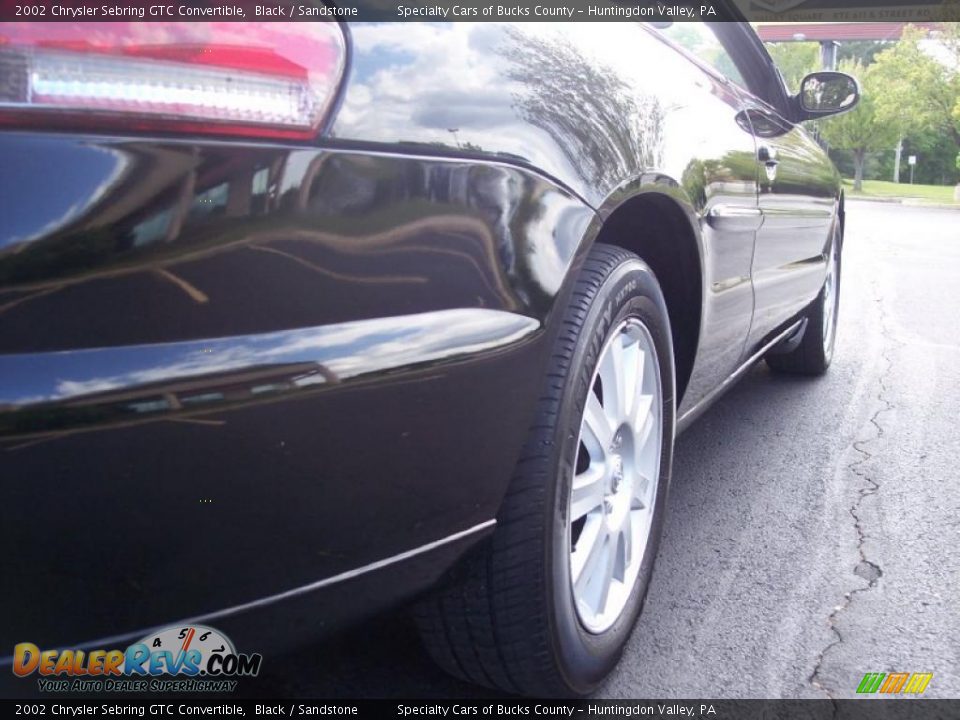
[496, 633]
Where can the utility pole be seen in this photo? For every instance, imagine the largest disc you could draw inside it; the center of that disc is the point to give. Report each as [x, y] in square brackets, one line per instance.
[896, 160]
[828, 54]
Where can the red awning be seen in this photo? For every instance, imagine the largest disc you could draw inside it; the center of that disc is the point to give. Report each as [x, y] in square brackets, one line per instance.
[836, 31]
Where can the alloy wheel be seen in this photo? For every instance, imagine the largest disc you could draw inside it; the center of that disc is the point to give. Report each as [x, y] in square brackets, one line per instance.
[614, 487]
[830, 300]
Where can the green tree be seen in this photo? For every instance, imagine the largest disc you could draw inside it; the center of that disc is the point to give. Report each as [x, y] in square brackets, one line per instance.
[861, 130]
[795, 59]
[950, 35]
[921, 83]
[863, 50]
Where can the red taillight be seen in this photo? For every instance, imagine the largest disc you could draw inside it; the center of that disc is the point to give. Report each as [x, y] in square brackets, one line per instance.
[266, 80]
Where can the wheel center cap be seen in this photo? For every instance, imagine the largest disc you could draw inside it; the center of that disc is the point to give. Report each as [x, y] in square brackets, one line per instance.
[617, 475]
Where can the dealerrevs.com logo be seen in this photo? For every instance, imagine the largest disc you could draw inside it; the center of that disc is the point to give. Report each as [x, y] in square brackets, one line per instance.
[192, 658]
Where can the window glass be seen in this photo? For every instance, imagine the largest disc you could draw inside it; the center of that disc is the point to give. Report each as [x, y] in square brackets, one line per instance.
[698, 40]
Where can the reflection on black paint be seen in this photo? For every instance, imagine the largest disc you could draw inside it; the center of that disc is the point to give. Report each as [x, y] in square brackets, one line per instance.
[211, 241]
[611, 131]
[762, 124]
[60, 391]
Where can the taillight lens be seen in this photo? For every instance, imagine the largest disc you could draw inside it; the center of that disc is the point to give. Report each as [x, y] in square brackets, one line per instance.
[266, 80]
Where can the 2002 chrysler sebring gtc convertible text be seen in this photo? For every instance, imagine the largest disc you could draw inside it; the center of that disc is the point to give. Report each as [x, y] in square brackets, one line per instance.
[298, 321]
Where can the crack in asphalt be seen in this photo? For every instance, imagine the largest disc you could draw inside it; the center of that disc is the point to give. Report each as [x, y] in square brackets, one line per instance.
[866, 568]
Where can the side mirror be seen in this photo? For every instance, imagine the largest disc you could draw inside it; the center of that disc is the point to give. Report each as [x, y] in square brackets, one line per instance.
[827, 93]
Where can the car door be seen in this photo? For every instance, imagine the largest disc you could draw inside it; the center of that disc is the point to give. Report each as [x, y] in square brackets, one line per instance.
[798, 201]
[719, 153]
[798, 189]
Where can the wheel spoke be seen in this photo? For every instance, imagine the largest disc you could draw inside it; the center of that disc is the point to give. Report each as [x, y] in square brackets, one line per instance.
[597, 433]
[594, 581]
[641, 369]
[640, 528]
[632, 377]
[587, 492]
[614, 380]
[642, 418]
[604, 577]
[625, 541]
[641, 493]
[586, 555]
[644, 441]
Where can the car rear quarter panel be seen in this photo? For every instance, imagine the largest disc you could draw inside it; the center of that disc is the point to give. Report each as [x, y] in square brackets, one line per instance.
[609, 110]
[229, 370]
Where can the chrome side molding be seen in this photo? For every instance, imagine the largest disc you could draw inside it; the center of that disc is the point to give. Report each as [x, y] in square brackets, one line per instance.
[735, 218]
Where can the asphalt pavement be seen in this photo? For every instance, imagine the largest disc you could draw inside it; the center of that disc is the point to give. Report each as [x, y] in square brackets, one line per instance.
[813, 533]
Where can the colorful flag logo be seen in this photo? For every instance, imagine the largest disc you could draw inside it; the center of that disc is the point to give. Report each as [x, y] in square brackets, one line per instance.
[892, 683]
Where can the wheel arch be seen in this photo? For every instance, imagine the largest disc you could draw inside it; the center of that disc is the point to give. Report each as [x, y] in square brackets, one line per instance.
[658, 224]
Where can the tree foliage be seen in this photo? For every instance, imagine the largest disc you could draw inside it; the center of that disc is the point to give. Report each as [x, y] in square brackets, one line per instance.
[921, 84]
[863, 50]
[861, 130]
[795, 59]
[912, 91]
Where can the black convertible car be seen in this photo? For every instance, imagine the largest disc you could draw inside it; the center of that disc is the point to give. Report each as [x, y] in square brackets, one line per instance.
[303, 320]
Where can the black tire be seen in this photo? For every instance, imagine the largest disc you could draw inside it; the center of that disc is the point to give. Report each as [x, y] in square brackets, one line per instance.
[815, 352]
[506, 618]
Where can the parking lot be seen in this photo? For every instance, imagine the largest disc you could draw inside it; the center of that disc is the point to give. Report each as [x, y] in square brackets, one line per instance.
[814, 525]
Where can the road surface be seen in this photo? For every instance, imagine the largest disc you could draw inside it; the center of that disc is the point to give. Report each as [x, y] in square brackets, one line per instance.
[813, 533]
